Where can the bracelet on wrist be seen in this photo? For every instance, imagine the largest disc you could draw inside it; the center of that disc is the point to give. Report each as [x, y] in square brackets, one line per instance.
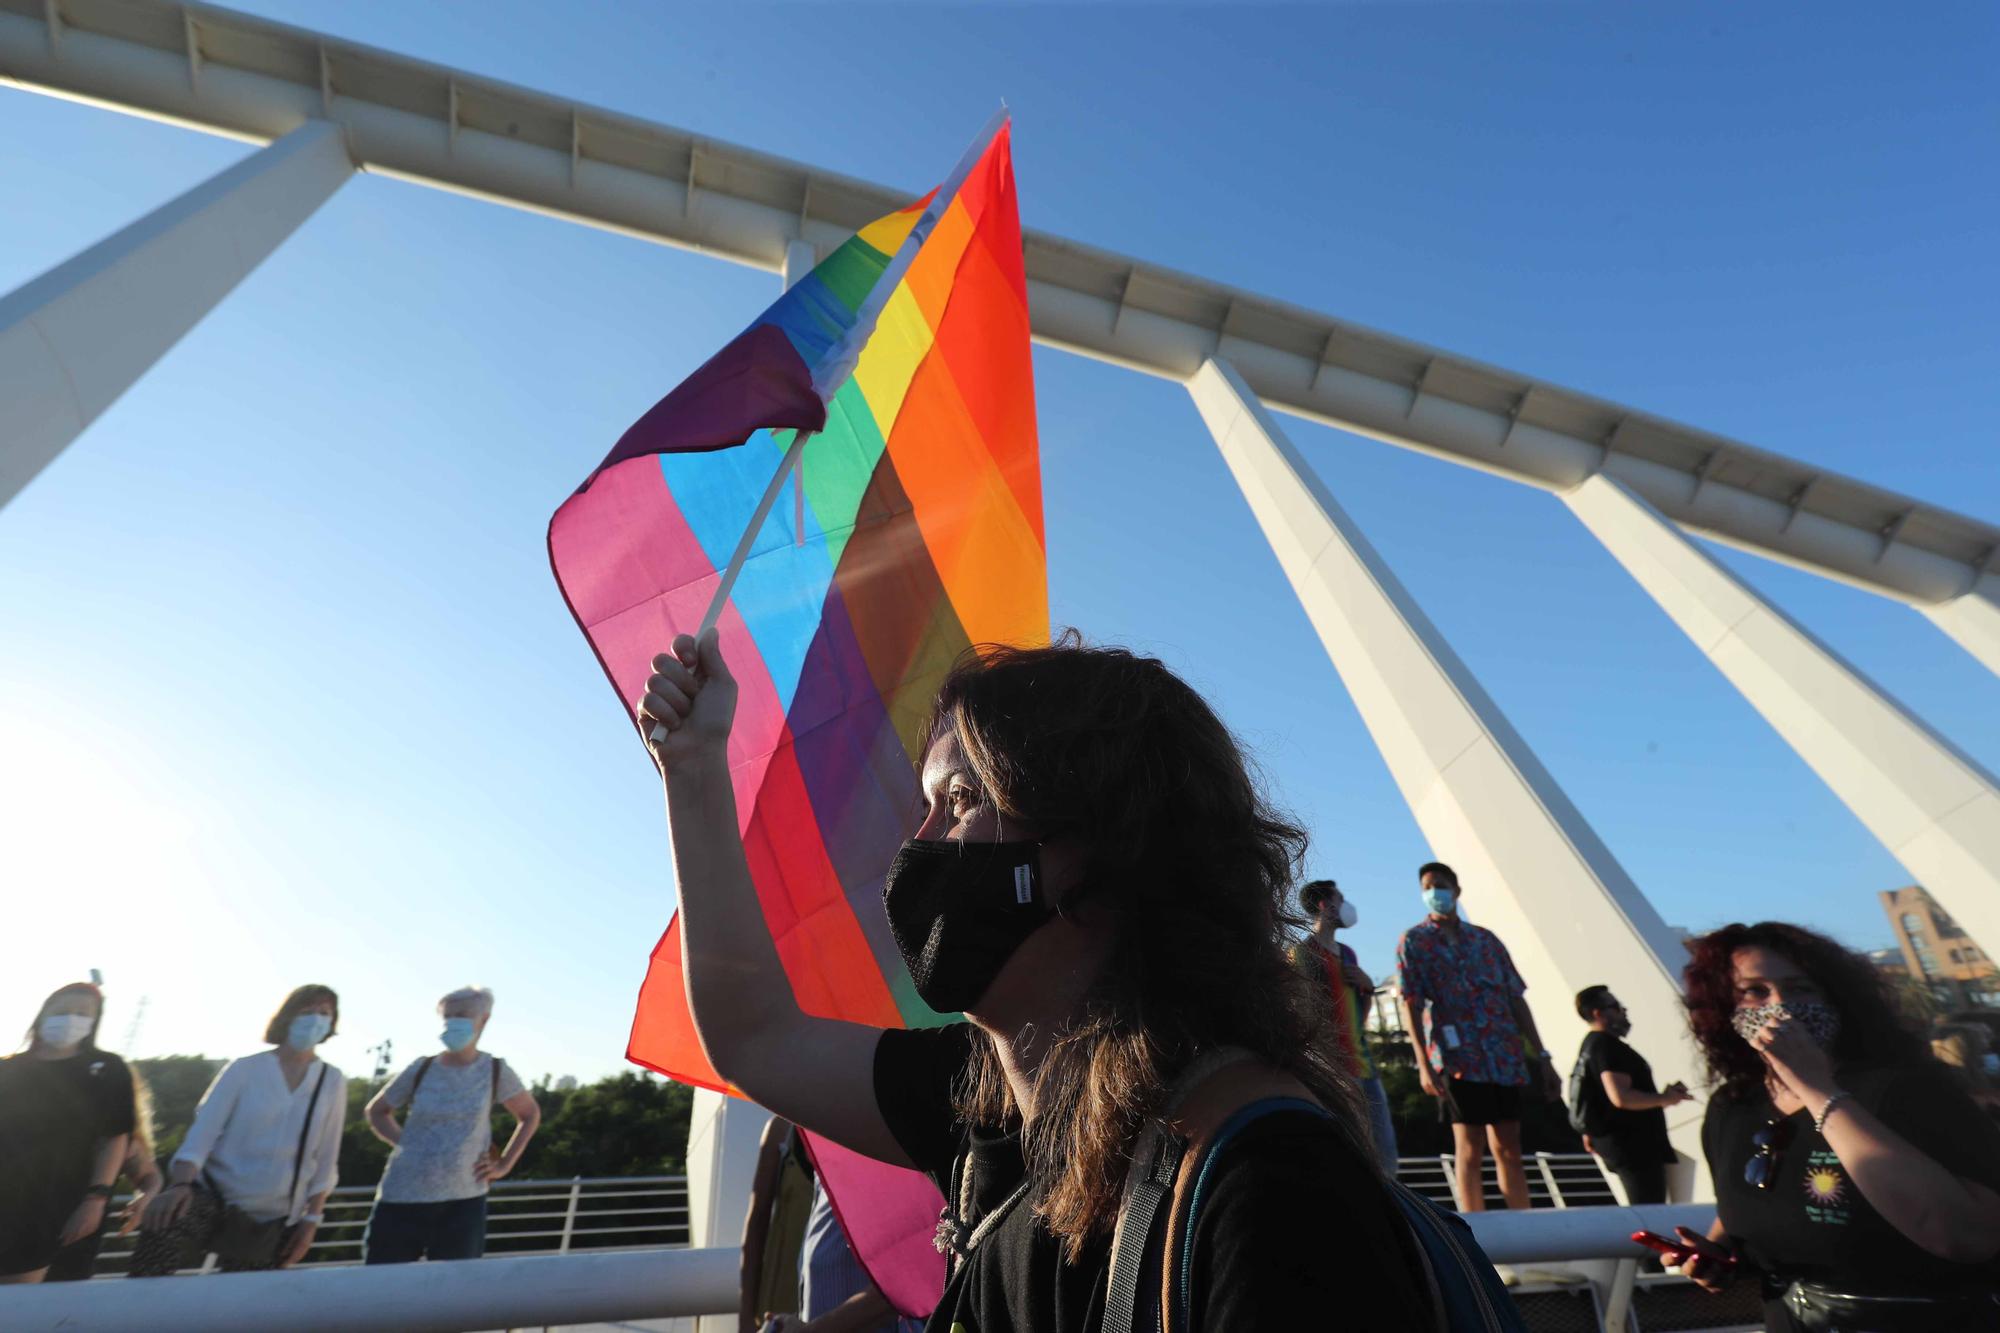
[100, 1192]
[1819, 1121]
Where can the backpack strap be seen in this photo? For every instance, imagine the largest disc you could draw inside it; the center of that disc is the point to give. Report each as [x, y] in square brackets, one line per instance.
[423, 1067]
[1146, 1290]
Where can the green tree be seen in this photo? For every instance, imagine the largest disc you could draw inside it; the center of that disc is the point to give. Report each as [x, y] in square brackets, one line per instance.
[628, 1124]
[177, 1083]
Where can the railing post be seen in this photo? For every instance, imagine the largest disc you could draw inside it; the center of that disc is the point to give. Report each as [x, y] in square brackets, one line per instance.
[569, 1214]
[1549, 1179]
[1618, 1301]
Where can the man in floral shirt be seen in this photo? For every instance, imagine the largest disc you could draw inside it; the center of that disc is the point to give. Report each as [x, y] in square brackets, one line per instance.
[1475, 1040]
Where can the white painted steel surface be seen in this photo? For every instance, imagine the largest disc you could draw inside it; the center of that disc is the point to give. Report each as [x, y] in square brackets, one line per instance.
[1932, 806]
[74, 339]
[567, 1289]
[1974, 621]
[233, 74]
[1548, 1234]
[1532, 868]
[409, 1298]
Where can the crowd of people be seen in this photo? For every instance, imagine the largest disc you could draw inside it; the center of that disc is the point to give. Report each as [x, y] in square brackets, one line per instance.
[1164, 1052]
[249, 1182]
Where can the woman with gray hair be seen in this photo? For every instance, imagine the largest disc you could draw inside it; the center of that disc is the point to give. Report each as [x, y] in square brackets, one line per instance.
[431, 1203]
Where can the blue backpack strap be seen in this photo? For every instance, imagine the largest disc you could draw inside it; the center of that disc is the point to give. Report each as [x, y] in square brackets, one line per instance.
[1462, 1277]
[1466, 1290]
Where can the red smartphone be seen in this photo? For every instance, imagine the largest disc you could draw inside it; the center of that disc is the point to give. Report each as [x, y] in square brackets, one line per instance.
[1672, 1251]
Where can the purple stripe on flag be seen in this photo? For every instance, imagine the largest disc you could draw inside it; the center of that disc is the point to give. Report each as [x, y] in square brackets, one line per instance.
[757, 381]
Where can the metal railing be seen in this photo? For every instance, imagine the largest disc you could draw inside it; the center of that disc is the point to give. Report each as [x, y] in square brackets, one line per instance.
[648, 1212]
[533, 1291]
[524, 1217]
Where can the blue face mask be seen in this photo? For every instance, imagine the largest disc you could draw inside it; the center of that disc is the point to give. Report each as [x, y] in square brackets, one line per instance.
[458, 1033]
[308, 1031]
[1444, 902]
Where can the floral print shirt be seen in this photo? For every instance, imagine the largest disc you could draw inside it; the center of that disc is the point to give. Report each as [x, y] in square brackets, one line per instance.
[1462, 985]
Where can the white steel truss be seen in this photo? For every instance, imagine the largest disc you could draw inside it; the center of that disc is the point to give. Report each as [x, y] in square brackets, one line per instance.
[232, 74]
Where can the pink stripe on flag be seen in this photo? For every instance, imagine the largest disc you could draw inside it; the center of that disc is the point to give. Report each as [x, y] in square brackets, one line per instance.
[892, 1218]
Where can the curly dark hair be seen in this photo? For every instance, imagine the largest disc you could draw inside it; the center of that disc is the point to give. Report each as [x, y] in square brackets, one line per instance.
[1873, 1026]
[1113, 749]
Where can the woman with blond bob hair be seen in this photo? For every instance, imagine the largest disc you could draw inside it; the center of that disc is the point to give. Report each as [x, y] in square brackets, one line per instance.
[250, 1179]
[1096, 882]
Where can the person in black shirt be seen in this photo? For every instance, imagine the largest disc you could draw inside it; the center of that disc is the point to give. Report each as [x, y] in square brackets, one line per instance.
[1098, 885]
[1624, 1115]
[1853, 1175]
[65, 1113]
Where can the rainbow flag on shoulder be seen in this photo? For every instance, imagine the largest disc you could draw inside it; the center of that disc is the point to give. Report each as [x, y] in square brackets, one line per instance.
[911, 530]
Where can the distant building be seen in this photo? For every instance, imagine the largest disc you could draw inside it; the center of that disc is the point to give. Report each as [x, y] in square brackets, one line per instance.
[1890, 961]
[1955, 970]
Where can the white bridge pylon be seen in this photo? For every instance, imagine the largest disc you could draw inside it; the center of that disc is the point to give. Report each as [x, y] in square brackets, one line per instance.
[1532, 868]
[1932, 806]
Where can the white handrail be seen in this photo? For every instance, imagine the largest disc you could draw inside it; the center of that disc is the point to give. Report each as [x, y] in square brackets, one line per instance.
[633, 1284]
[410, 1298]
[1546, 1235]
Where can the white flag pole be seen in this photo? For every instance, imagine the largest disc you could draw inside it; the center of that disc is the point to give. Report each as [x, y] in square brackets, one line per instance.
[840, 363]
[749, 537]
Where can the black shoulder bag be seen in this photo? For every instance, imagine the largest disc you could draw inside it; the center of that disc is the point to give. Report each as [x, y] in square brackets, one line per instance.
[243, 1240]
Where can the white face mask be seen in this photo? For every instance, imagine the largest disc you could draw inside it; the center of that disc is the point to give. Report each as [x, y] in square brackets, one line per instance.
[1347, 915]
[64, 1029]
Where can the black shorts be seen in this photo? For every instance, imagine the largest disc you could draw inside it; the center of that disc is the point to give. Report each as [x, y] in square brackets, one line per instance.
[1469, 1103]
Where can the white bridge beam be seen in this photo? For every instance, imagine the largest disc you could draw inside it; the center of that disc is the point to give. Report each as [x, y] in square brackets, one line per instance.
[1533, 869]
[531, 1292]
[232, 74]
[1933, 807]
[74, 339]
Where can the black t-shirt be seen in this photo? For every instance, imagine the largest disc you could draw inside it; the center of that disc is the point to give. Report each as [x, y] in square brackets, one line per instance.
[1622, 1138]
[1812, 1222]
[52, 1114]
[1294, 1224]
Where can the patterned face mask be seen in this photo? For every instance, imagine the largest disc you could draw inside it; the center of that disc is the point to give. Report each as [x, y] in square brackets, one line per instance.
[1820, 1020]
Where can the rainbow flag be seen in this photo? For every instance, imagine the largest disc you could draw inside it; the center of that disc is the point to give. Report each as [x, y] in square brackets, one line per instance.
[912, 530]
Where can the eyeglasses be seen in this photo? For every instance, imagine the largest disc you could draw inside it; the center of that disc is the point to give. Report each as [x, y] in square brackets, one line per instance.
[1770, 1143]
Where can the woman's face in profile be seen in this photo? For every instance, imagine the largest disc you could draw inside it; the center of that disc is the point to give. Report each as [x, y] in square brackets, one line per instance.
[955, 808]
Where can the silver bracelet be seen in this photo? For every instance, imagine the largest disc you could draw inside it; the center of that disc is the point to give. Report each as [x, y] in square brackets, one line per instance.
[1819, 1121]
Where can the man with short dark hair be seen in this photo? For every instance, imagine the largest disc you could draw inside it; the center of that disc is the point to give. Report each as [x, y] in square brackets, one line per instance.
[1622, 1115]
[1329, 964]
[1473, 1035]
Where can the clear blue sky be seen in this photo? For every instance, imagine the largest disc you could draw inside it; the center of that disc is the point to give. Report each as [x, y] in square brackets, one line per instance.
[287, 692]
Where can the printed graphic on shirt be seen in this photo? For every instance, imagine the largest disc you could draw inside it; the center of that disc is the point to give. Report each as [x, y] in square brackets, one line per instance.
[1825, 1188]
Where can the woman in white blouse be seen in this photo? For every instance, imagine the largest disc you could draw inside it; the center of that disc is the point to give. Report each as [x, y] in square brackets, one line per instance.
[250, 1179]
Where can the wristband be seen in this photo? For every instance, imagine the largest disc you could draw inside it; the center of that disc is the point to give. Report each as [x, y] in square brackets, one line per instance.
[1819, 1121]
[99, 1192]
[314, 1218]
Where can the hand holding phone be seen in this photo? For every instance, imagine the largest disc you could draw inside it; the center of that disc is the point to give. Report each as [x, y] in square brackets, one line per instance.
[1666, 1249]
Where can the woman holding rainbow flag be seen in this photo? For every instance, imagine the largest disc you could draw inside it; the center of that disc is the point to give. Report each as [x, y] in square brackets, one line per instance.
[1098, 885]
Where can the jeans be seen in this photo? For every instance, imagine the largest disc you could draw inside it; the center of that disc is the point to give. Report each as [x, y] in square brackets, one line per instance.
[402, 1233]
[1380, 1127]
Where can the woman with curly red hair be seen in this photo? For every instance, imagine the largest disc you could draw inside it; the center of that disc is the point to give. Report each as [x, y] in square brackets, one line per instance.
[1853, 1175]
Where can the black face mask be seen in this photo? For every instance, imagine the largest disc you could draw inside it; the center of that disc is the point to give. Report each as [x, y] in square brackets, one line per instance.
[959, 910]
